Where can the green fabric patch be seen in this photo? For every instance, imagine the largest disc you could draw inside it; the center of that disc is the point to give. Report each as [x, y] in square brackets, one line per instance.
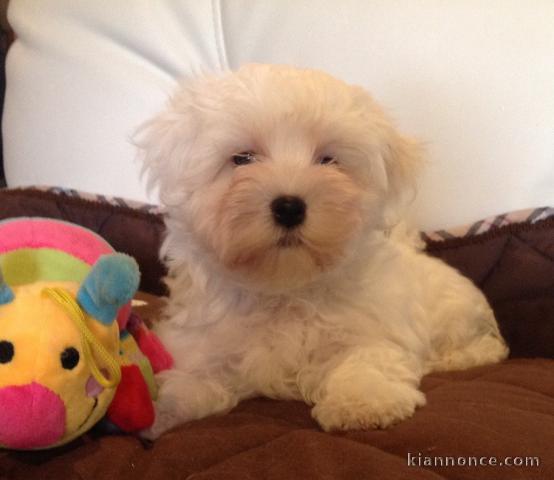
[132, 355]
[28, 265]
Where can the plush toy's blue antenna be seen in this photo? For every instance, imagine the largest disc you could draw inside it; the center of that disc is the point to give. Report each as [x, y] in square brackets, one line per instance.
[111, 283]
[6, 294]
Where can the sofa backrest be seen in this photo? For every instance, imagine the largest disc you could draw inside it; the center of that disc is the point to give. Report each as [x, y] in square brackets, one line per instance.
[473, 79]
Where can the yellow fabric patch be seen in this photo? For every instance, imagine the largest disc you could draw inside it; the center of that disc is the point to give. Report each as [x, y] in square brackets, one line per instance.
[40, 331]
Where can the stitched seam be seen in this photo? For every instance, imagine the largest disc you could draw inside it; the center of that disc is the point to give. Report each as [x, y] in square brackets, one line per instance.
[242, 452]
[219, 38]
[494, 266]
[528, 296]
[93, 205]
[382, 450]
[514, 228]
[365, 444]
[482, 379]
[539, 252]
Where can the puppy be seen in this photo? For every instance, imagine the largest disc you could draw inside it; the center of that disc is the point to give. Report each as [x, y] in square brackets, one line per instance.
[281, 186]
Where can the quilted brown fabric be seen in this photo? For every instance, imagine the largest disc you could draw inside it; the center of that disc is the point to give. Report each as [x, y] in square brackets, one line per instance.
[514, 267]
[497, 411]
[503, 411]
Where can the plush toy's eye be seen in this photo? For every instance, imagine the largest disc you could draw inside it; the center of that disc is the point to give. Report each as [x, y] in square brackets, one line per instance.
[243, 158]
[6, 351]
[327, 159]
[69, 358]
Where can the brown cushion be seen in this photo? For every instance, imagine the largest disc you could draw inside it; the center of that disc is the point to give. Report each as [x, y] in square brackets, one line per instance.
[500, 411]
[514, 267]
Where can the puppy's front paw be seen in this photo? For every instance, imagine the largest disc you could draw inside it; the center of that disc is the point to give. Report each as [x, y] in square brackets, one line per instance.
[376, 410]
[166, 418]
[170, 408]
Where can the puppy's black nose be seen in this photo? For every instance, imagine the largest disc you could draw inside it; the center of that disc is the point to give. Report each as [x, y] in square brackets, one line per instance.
[288, 211]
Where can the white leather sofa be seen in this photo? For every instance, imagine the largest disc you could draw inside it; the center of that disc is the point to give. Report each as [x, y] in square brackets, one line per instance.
[473, 79]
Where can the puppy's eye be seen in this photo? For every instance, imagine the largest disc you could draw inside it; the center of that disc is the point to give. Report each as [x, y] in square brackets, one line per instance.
[327, 159]
[243, 158]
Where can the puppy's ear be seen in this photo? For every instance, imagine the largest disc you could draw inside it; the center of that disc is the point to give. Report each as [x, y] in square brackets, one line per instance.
[402, 161]
[395, 160]
[164, 144]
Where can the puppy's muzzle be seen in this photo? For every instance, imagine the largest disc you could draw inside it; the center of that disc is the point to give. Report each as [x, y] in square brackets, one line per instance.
[288, 211]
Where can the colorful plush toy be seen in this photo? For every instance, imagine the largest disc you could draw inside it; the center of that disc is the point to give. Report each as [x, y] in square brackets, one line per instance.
[67, 358]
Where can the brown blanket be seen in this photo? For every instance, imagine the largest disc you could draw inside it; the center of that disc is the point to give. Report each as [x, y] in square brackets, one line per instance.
[501, 416]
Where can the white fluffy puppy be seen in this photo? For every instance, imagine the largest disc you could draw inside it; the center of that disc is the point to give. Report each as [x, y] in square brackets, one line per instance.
[280, 186]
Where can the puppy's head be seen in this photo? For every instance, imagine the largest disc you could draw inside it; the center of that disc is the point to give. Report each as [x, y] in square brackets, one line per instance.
[279, 173]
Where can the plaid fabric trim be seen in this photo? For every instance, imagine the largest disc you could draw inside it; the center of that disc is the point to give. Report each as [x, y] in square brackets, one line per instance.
[477, 228]
[482, 226]
[93, 197]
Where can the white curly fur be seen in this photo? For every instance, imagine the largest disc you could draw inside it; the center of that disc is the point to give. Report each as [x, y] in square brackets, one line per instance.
[337, 312]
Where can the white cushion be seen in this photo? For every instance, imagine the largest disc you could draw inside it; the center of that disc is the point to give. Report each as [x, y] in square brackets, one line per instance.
[473, 79]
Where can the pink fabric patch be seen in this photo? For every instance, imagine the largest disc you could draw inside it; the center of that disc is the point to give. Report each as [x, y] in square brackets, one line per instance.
[27, 232]
[151, 346]
[31, 416]
[48, 233]
[93, 388]
[123, 316]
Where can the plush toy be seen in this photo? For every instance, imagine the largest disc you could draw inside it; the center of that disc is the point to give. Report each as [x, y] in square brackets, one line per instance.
[67, 358]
